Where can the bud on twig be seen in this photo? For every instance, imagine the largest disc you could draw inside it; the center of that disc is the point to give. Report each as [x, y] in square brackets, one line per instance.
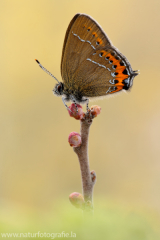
[95, 110]
[77, 199]
[74, 139]
[93, 176]
[74, 113]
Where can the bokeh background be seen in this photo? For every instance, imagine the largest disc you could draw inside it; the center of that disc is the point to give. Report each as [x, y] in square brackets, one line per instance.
[38, 168]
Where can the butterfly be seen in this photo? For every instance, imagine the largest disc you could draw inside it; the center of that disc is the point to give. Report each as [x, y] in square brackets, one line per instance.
[90, 65]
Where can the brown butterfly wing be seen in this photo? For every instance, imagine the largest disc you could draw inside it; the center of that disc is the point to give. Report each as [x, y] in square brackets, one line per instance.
[66, 37]
[102, 73]
[90, 64]
[75, 50]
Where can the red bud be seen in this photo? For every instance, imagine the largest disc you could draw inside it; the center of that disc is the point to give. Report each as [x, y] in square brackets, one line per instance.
[76, 199]
[95, 110]
[74, 139]
[74, 113]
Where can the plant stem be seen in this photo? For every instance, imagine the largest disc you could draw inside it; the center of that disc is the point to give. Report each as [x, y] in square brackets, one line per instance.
[82, 152]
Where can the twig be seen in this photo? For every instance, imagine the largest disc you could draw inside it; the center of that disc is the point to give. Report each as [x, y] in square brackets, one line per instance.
[79, 142]
[88, 178]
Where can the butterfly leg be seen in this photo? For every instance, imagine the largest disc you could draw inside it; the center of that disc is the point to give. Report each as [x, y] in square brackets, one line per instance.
[87, 105]
[74, 101]
[64, 102]
[87, 102]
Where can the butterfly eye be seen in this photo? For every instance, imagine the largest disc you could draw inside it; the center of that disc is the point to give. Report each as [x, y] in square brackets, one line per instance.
[110, 61]
[101, 54]
[59, 88]
[106, 58]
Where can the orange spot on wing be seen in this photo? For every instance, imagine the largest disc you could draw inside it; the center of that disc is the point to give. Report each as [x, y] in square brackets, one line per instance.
[120, 77]
[103, 52]
[99, 40]
[119, 88]
[119, 69]
[95, 34]
[113, 59]
[120, 83]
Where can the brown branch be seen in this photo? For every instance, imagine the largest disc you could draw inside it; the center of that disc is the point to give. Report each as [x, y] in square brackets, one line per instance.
[88, 178]
[79, 142]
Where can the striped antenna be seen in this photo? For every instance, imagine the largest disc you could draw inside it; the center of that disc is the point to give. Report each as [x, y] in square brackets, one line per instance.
[44, 69]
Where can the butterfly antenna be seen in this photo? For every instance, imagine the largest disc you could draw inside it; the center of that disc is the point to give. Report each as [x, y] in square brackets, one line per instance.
[44, 69]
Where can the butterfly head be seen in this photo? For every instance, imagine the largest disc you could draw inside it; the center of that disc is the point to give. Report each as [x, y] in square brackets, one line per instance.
[58, 89]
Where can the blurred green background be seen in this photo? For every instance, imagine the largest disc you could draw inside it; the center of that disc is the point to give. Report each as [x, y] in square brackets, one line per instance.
[38, 168]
